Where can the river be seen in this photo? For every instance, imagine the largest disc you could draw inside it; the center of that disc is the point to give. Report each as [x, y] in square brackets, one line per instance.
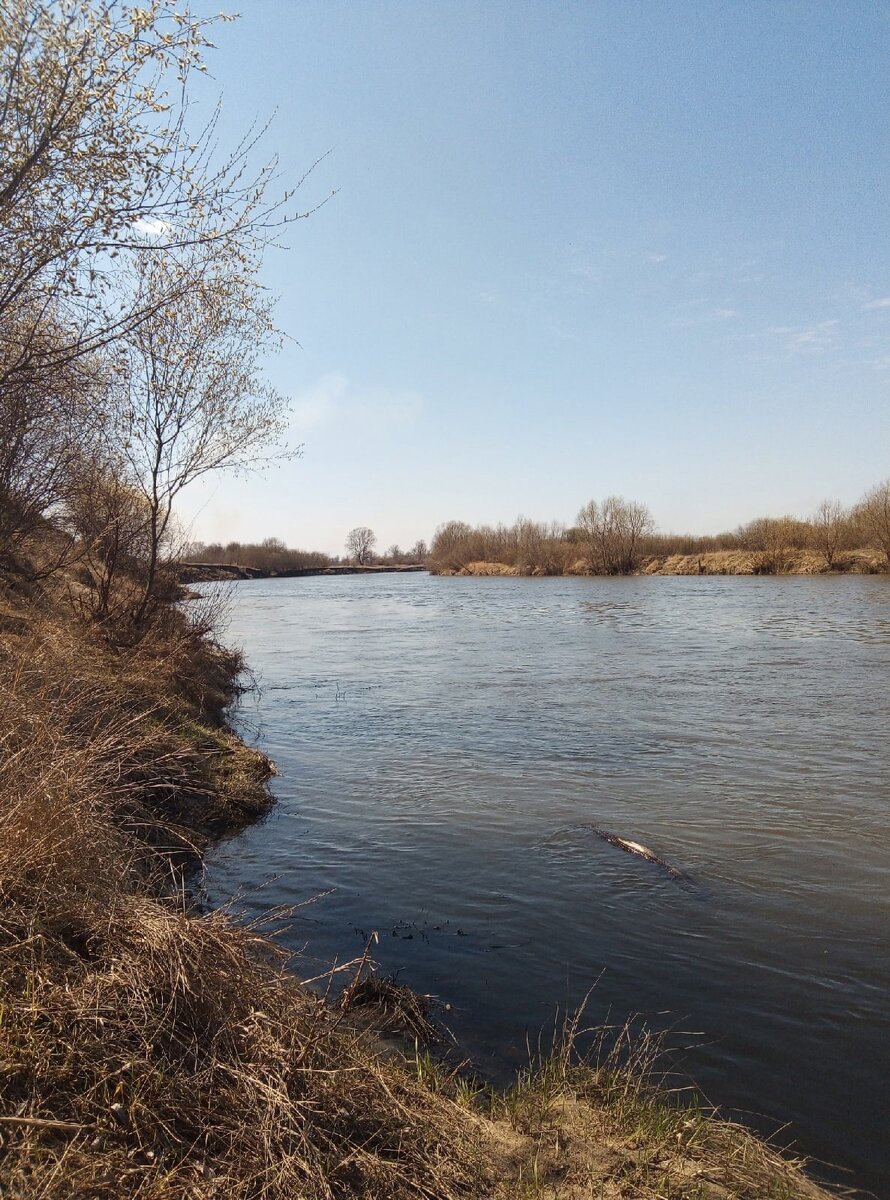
[448, 748]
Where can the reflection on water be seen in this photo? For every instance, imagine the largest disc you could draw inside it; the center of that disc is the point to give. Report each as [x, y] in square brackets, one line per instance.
[448, 748]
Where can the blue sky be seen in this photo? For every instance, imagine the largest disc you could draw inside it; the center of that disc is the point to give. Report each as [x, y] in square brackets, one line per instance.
[576, 249]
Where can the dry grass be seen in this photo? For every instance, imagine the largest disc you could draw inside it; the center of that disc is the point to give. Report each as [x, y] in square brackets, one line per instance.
[481, 569]
[390, 1007]
[712, 562]
[755, 562]
[604, 1127]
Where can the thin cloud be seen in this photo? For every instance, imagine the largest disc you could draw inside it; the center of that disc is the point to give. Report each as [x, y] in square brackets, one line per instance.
[564, 335]
[711, 317]
[318, 404]
[335, 400]
[153, 228]
[884, 302]
[804, 339]
[583, 269]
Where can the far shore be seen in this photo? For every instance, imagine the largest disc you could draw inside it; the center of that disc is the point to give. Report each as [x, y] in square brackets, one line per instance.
[716, 562]
[197, 572]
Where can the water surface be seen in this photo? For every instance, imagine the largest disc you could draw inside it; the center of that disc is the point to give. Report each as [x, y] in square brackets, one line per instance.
[448, 748]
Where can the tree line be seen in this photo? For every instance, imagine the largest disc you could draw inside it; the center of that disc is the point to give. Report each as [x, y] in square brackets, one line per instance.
[133, 325]
[273, 555]
[609, 537]
[617, 537]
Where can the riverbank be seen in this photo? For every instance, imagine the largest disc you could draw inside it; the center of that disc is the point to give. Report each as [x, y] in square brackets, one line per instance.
[192, 572]
[717, 562]
[152, 1049]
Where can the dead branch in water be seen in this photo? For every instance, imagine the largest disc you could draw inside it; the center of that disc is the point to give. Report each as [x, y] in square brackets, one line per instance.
[641, 852]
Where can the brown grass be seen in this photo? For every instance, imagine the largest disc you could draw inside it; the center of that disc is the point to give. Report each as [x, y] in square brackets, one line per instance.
[482, 569]
[712, 562]
[756, 562]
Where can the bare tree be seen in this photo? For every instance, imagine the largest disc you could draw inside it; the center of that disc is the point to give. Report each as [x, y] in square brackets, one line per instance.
[873, 513]
[418, 552]
[111, 521]
[360, 543]
[49, 417]
[539, 546]
[828, 523]
[196, 401]
[590, 534]
[448, 550]
[612, 532]
[772, 540]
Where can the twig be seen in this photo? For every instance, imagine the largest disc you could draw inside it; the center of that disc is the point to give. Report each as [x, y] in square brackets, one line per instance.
[45, 1123]
[356, 979]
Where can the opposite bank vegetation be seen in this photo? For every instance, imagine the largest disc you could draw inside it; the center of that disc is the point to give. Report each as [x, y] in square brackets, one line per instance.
[150, 1048]
[618, 537]
[614, 537]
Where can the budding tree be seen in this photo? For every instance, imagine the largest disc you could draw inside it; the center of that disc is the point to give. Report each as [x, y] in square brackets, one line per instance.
[360, 543]
[96, 160]
[196, 401]
[100, 177]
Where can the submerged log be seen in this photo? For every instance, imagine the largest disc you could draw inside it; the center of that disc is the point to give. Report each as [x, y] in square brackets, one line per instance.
[641, 852]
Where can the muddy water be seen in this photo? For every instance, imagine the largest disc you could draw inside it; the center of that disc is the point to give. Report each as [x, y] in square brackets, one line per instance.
[449, 747]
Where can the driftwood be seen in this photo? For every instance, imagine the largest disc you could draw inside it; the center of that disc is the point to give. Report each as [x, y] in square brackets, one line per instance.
[641, 852]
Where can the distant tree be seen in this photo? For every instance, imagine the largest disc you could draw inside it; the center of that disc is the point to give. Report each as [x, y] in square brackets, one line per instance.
[772, 539]
[394, 554]
[590, 533]
[360, 543]
[874, 516]
[828, 525]
[418, 552]
[539, 547]
[612, 533]
[449, 541]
